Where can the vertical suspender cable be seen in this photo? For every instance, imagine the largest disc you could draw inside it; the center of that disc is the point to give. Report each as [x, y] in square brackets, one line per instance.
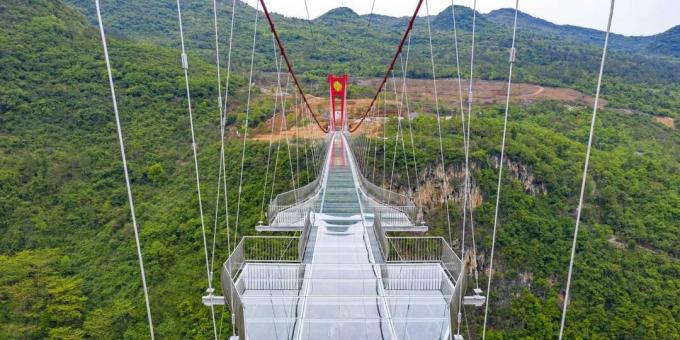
[309, 20]
[384, 136]
[223, 122]
[298, 112]
[500, 169]
[375, 148]
[245, 134]
[396, 136]
[221, 173]
[221, 165]
[185, 67]
[285, 126]
[119, 130]
[439, 126]
[396, 133]
[585, 170]
[271, 134]
[404, 69]
[468, 179]
[217, 57]
[462, 119]
[297, 143]
[278, 142]
[370, 143]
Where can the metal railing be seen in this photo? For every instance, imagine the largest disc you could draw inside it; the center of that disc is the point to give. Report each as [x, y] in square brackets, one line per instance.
[271, 276]
[231, 294]
[417, 249]
[391, 215]
[424, 249]
[270, 248]
[304, 236]
[292, 214]
[381, 238]
[260, 249]
[426, 276]
[292, 205]
[389, 202]
[383, 195]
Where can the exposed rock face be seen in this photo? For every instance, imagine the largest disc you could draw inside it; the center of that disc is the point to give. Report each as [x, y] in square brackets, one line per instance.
[524, 174]
[432, 186]
[431, 181]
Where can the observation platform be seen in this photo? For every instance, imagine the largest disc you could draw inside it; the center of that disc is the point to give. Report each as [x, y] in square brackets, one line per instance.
[343, 277]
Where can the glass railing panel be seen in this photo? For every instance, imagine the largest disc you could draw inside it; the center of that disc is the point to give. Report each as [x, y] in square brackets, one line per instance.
[355, 329]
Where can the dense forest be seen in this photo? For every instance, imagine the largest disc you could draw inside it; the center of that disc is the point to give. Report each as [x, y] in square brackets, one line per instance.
[68, 268]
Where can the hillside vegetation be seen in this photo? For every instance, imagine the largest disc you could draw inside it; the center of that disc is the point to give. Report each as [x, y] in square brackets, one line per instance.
[69, 268]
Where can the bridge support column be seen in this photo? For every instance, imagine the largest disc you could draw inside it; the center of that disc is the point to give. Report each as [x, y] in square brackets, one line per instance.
[338, 91]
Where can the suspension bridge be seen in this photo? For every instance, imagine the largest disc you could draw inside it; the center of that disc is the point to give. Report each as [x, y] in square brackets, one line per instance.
[334, 268]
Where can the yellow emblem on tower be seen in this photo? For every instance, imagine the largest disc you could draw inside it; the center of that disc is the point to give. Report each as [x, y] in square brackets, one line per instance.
[337, 86]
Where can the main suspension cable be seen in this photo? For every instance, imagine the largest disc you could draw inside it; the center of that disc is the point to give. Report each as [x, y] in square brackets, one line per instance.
[121, 143]
[391, 65]
[585, 170]
[290, 67]
[500, 168]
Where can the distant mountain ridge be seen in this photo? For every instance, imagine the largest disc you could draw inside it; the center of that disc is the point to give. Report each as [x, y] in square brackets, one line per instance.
[666, 43]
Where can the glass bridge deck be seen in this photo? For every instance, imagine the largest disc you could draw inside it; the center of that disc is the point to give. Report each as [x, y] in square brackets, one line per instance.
[347, 290]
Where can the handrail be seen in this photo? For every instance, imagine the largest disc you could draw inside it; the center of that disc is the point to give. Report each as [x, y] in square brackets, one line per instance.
[381, 195]
[425, 249]
[231, 294]
[304, 237]
[294, 196]
[306, 193]
[252, 249]
[457, 298]
[383, 244]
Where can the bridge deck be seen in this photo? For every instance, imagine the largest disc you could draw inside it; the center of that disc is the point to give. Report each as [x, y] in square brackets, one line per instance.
[347, 290]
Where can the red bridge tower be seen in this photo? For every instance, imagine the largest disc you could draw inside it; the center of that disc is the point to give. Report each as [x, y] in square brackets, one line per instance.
[338, 92]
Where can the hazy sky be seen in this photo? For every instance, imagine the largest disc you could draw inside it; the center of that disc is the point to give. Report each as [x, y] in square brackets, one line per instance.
[631, 17]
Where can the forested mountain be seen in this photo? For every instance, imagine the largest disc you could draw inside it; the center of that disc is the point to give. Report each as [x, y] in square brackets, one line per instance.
[68, 268]
[342, 41]
[649, 44]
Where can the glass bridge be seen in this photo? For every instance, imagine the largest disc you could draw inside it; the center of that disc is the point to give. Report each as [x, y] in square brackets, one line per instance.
[342, 277]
